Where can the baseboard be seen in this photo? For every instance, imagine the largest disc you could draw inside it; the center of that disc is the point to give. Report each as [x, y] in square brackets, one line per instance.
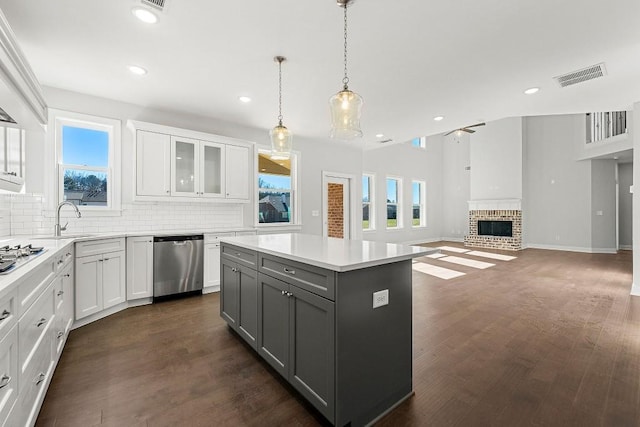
[210, 289]
[626, 247]
[571, 249]
[453, 239]
[635, 290]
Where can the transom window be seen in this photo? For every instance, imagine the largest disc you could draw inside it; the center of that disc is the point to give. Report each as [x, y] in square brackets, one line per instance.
[418, 208]
[368, 210]
[276, 190]
[419, 142]
[86, 149]
[394, 203]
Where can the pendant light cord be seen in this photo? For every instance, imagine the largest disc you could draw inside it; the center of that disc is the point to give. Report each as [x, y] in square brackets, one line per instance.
[280, 91]
[345, 80]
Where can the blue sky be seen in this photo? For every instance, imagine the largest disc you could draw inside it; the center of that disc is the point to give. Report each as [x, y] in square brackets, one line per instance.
[277, 181]
[85, 147]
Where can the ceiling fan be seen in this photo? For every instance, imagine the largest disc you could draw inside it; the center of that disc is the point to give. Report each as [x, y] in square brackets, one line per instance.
[465, 129]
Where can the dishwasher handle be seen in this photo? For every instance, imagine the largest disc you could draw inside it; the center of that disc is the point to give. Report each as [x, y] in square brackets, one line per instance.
[177, 239]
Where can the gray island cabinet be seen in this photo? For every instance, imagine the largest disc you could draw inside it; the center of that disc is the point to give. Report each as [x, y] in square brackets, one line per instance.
[306, 305]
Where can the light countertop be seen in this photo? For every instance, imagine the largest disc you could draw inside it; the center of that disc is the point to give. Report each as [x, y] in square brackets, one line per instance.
[330, 253]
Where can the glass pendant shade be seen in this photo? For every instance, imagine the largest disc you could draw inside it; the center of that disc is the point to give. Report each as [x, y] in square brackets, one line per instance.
[346, 109]
[281, 141]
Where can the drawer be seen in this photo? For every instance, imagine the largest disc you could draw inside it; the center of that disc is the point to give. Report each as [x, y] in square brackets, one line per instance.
[311, 278]
[8, 373]
[242, 256]
[8, 312]
[65, 257]
[34, 326]
[32, 286]
[215, 238]
[95, 247]
[33, 383]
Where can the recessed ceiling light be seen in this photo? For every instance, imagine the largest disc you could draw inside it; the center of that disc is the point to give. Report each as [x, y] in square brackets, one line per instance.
[145, 15]
[137, 70]
[244, 99]
[379, 135]
[531, 90]
[438, 118]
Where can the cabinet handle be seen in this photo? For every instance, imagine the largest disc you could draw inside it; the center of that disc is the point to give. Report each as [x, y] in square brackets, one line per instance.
[235, 270]
[289, 294]
[12, 174]
[41, 322]
[60, 334]
[5, 380]
[60, 293]
[67, 275]
[4, 315]
[288, 271]
[106, 259]
[283, 293]
[168, 191]
[40, 378]
[60, 262]
[68, 254]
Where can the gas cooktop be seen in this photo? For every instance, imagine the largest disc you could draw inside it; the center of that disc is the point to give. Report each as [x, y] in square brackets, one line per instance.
[14, 257]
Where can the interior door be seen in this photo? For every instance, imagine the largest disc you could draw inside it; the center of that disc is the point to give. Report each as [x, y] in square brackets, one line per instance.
[336, 215]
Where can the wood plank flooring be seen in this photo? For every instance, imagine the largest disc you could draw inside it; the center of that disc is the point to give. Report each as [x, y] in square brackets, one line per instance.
[548, 339]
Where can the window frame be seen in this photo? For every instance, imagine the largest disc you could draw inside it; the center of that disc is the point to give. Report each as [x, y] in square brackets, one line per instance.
[294, 220]
[399, 222]
[422, 205]
[113, 127]
[372, 202]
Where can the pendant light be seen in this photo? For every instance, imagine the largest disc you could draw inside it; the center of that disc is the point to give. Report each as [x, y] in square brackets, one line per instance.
[346, 106]
[281, 137]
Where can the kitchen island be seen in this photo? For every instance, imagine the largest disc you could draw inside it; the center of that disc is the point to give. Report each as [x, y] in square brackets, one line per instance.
[332, 316]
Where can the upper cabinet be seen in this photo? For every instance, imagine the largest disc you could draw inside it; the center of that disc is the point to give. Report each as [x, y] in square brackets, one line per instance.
[177, 165]
[12, 161]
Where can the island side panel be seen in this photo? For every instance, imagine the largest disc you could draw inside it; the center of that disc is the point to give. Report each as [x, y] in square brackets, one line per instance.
[373, 346]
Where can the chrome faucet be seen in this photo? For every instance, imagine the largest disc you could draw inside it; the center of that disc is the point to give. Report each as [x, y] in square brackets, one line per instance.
[58, 229]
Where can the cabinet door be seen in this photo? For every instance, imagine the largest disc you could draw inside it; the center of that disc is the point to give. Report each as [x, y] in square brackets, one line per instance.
[212, 169]
[139, 267]
[15, 154]
[153, 164]
[311, 354]
[185, 156]
[229, 292]
[248, 304]
[273, 322]
[212, 265]
[88, 285]
[113, 279]
[238, 172]
[8, 373]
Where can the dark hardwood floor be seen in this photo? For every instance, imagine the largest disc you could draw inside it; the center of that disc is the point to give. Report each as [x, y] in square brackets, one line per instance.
[548, 339]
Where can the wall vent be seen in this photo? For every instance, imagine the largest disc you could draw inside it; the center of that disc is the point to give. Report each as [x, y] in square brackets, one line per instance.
[575, 77]
[156, 4]
[385, 141]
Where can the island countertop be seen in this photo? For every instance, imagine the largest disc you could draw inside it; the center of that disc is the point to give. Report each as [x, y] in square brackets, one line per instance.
[327, 252]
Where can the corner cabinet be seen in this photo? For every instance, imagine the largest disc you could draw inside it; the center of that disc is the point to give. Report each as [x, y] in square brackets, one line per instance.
[180, 165]
[139, 267]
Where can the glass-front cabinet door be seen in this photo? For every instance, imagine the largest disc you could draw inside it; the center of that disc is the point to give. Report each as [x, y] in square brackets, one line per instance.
[184, 173]
[212, 169]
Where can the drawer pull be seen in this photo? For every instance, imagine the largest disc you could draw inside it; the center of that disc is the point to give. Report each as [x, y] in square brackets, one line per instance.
[60, 293]
[5, 380]
[4, 315]
[60, 334]
[60, 262]
[107, 259]
[67, 275]
[288, 271]
[41, 322]
[234, 269]
[284, 292]
[289, 294]
[40, 378]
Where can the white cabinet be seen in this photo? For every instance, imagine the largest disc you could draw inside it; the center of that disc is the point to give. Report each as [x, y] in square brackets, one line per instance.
[12, 158]
[197, 168]
[139, 267]
[212, 258]
[153, 164]
[8, 372]
[176, 164]
[100, 276]
[238, 172]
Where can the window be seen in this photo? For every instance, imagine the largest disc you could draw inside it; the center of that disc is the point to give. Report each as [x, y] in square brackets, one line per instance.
[86, 149]
[394, 214]
[418, 209]
[368, 209]
[276, 190]
[419, 142]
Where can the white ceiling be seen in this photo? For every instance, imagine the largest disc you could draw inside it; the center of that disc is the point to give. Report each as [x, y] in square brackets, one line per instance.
[411, 60]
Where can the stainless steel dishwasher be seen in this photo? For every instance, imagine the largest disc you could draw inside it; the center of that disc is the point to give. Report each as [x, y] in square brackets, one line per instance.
[177, 265]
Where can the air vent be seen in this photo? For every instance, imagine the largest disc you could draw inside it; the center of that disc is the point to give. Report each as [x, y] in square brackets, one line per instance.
[156, 4]
[575, 77]
[384, 141]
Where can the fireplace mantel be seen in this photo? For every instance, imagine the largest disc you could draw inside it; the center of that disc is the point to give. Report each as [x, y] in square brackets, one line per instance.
[495, 205]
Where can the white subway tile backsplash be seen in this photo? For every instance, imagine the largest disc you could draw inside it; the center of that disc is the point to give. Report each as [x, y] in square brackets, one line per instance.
[24, 214]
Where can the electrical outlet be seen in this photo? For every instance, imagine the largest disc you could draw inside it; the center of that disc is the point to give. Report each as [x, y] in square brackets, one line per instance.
[380, 298]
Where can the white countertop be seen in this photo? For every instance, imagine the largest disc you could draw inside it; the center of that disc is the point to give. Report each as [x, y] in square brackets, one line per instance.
[330, 253]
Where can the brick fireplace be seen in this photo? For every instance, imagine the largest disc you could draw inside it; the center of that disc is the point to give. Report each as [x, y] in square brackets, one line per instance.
[498, 212]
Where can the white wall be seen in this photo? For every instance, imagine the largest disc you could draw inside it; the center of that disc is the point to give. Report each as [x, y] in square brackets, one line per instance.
[635, 289]
[603, 206]
[496, 160]
[32, 217]
[625, 180]
[409, 163]
[456, 187]
[5, 216]
[557, 188]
